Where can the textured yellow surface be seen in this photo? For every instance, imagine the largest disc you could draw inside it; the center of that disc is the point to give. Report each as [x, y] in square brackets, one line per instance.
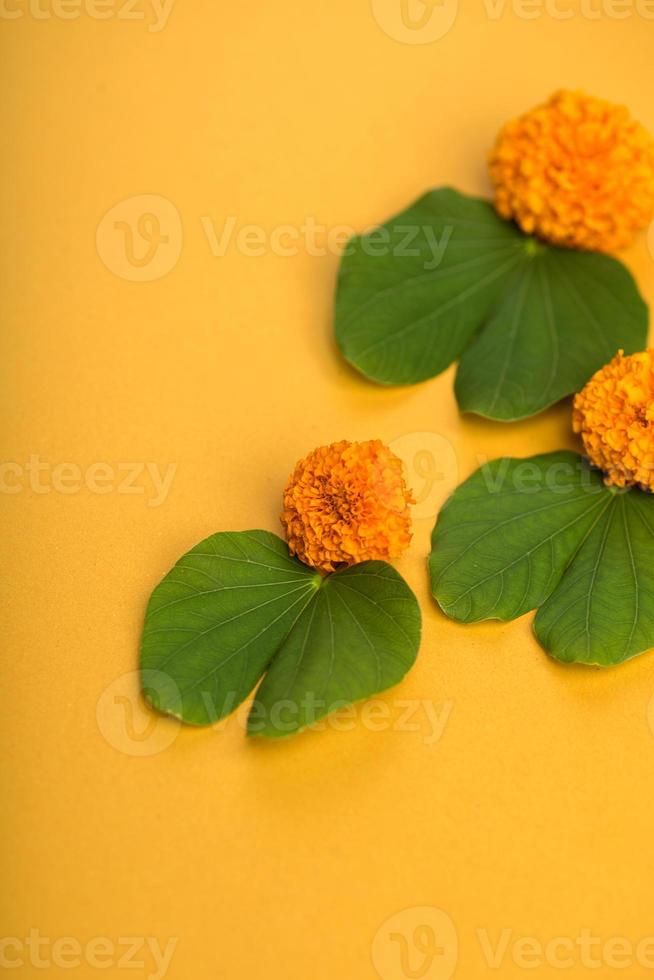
[522, 804]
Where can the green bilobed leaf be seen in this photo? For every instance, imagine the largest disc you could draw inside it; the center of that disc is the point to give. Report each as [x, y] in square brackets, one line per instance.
[399, 322]
[602, 611]
[545, 533]
[563, 315]
[215, 621]
[506, 535]
[237, 604]
[360, 635]
[449, 279]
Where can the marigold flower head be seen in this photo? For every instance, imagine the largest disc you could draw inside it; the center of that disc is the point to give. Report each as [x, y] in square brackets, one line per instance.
[576, 171]
[615, 415]
[347, 503]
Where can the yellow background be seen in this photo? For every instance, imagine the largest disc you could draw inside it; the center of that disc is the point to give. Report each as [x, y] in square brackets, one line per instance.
[533, 811]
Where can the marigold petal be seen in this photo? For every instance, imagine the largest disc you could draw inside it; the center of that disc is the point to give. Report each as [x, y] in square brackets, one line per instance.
[577, 172]
[346, 503]
[614, 415]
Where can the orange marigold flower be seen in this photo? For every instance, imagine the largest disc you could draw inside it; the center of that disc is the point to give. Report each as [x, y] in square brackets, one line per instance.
[576, 171]
[347, 503]
[615, 415]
